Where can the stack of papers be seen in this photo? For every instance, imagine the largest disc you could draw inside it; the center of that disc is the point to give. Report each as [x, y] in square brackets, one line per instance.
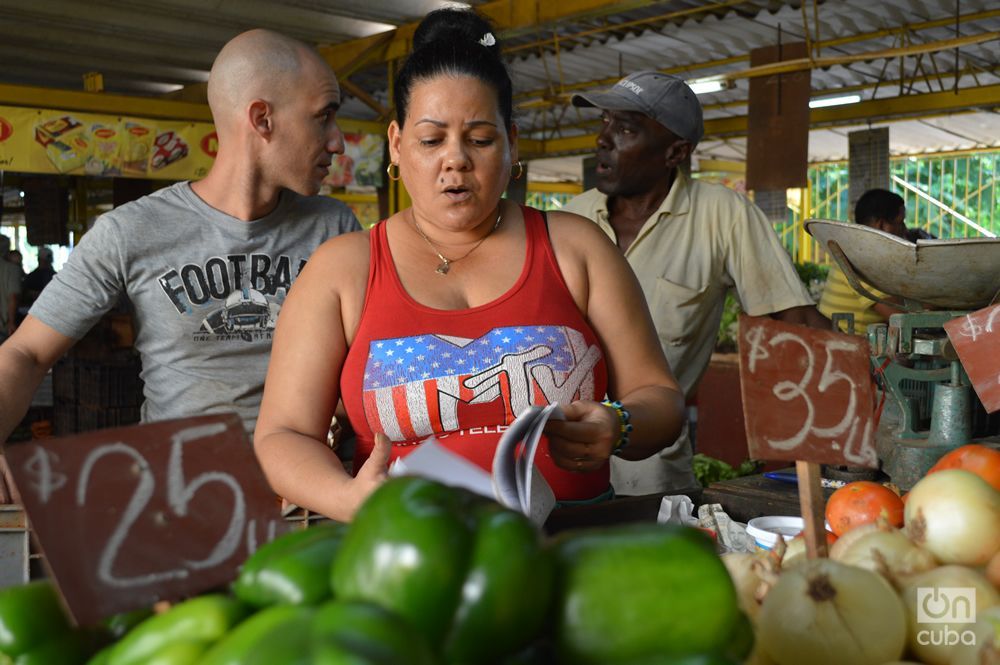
[515, 481]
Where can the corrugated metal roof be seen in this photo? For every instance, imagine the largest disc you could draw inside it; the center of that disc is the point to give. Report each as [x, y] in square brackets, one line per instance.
[152, 46]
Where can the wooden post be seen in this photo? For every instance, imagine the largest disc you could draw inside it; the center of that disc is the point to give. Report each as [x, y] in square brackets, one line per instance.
[813, 507]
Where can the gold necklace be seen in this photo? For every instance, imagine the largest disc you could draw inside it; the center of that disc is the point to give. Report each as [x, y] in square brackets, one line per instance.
[445, 265]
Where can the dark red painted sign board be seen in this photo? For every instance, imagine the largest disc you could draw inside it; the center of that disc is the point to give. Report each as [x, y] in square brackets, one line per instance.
[976, 337]
[130, 516]
[807, 394]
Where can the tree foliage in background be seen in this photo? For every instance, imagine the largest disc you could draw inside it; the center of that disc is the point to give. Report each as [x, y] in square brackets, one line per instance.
[708, 470]
[813, 275]
[968, 184]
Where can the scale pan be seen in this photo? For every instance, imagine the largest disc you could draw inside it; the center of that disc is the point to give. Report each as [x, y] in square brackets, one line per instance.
[953, 274]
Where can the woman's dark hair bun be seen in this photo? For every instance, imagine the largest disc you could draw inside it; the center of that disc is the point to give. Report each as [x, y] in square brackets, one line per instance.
[455, 42]
[455, 26]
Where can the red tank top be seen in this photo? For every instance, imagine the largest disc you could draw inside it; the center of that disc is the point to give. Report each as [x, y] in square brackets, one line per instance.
[464, 375]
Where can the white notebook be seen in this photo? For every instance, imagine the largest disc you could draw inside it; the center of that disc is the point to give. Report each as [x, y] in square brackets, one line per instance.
[515, 481]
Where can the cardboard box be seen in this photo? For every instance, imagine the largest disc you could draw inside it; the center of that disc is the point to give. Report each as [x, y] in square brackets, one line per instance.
[137, 146]
[67, 142]
[106, 156]
[168, 148]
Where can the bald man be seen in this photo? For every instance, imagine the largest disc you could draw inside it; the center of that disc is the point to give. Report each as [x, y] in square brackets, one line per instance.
[206, 265]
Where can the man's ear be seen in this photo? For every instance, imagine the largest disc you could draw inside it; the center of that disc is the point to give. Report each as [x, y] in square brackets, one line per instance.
[259, 115]
[678, 152]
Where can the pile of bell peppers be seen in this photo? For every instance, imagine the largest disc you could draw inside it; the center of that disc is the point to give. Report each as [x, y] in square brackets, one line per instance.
[424, 575]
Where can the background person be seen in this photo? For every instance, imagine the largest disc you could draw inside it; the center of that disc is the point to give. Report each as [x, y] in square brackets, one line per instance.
[36, 280]
[10, 291]
[16, 258]
[452, 316]
[883, 210]
[688, 242]
[206, 265]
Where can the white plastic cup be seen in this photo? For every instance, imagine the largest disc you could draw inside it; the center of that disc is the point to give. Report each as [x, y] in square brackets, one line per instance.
[766, 530]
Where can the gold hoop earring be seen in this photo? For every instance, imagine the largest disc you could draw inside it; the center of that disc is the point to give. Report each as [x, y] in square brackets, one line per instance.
[389, 171]
[520, 170]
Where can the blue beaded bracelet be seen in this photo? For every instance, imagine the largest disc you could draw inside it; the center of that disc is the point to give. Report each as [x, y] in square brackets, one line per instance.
[623, 422]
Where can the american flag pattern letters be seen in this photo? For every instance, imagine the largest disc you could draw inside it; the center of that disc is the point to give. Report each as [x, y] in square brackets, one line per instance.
[417, 385]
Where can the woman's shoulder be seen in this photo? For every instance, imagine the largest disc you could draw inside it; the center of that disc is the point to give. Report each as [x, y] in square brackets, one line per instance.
[345, 252]
[567, 228]
[346, 242]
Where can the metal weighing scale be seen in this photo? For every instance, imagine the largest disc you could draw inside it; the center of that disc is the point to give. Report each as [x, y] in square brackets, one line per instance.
[930, 406]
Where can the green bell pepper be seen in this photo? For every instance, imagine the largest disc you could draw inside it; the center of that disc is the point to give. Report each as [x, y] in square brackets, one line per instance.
[72, 647]
[259, 633]
[102, 657]
[118, 625]
[469, 575]
[30, 615]
[294, 568]
[182, 652]
[204, 619]
[176, 653]
[642, 593]
[353, 633]
[336, 633]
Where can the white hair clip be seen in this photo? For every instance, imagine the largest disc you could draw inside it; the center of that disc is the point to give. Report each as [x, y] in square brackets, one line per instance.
[488, 39]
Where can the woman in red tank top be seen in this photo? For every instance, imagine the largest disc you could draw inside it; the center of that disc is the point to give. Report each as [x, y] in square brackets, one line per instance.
[452, 316]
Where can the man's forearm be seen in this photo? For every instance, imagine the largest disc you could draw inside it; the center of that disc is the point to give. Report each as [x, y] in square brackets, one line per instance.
[805, 315]
[19, 379]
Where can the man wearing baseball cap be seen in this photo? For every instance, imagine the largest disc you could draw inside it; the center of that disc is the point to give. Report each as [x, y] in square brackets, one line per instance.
[688, 242]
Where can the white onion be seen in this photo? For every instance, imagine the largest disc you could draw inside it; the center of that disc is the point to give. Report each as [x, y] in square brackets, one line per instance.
[887, 551]
[745, 579]
[955, 515]
[795, 554]
[752, 575]
[942, 590]
[851, 536]
[827, 613]
[987, 646]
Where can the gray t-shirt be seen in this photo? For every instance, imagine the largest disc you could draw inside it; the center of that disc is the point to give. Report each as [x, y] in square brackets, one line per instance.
[206, 289]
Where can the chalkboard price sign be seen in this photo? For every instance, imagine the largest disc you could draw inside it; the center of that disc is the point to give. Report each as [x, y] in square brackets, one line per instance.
[975, 337]
[130, 516]
[807, 394]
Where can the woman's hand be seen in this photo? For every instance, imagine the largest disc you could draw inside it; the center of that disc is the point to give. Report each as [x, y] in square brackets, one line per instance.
[371, 475]
[586, 439]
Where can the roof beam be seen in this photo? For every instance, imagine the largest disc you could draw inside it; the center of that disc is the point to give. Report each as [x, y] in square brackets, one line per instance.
[798, 64]
[905, 107]
[102, 102]
[143, 107]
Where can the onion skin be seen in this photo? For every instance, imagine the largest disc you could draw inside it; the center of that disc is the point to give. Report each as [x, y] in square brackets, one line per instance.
[847, 541]
[944, 577]
[827, 613]
[746, 580]
[955, 515]
[987, 647]
[887, 552]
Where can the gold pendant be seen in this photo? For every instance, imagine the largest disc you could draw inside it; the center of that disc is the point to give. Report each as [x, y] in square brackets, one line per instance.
[443, 268]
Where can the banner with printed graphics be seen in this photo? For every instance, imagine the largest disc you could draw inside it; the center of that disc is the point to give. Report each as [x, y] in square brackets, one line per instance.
[36, 140]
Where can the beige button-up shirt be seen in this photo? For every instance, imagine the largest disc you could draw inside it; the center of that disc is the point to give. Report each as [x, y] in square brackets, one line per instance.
[703, 240]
